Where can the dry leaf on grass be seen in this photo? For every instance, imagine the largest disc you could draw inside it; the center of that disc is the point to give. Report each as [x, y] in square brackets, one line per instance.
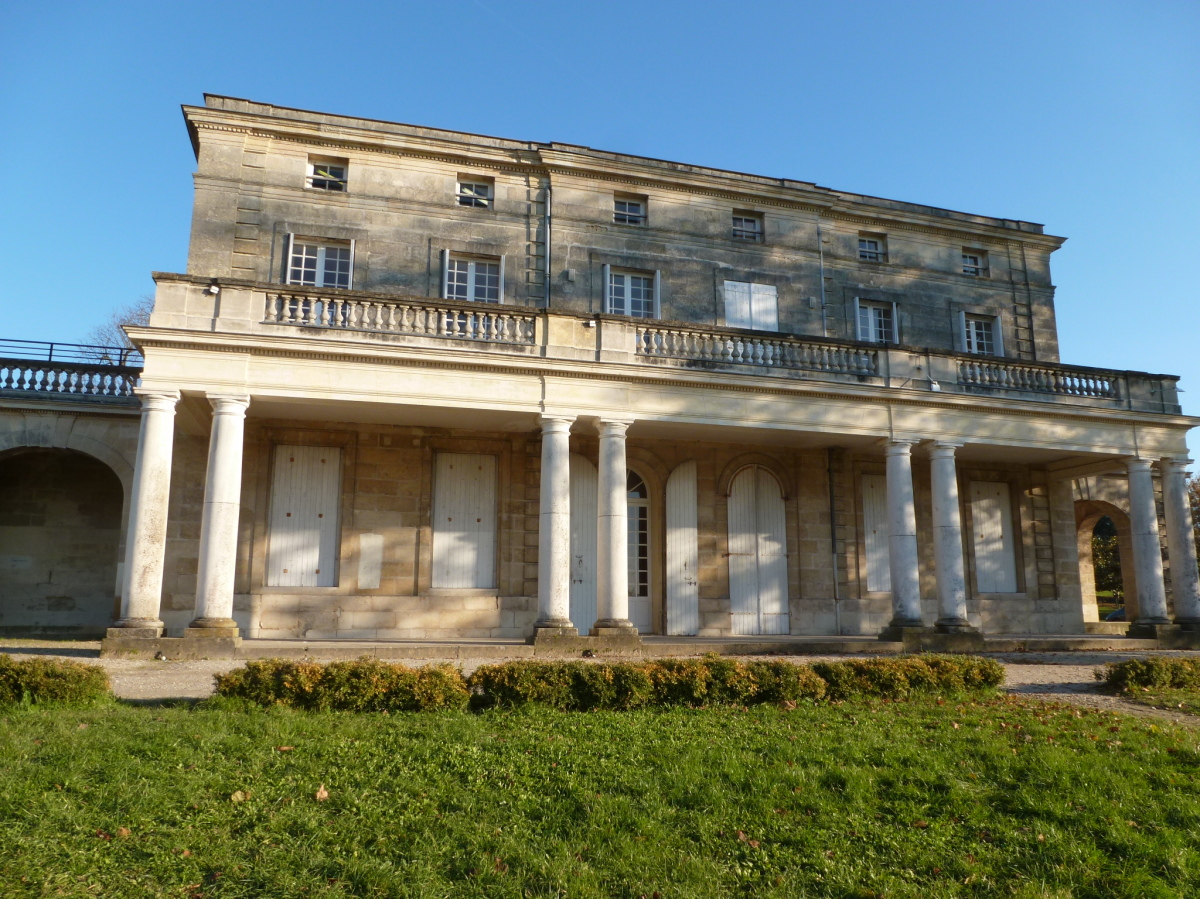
[322, 793]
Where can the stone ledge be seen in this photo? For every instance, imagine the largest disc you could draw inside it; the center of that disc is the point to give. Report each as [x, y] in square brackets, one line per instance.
[173, 648]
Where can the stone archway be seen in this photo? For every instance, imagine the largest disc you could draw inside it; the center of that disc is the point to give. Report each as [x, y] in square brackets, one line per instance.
[60, 541]
[1087, 514]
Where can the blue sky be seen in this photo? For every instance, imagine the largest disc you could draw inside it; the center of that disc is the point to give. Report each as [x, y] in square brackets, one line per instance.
[1084, 116]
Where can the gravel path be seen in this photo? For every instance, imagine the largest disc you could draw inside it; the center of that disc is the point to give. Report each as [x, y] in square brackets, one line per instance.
[1054, 677]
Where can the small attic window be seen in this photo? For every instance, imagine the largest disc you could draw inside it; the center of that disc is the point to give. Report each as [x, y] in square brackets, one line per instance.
[327, 173]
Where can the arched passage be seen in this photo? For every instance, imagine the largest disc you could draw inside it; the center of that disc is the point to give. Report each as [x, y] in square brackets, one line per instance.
[1088, 514]
[60, 535]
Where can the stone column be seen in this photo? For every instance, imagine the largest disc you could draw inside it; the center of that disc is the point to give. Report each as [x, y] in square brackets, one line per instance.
[554, 530]
[219, 521]
[612, 534]
[1181, 543]
[1147, 550]
[902, 536]
[146, 536]
[947, 541]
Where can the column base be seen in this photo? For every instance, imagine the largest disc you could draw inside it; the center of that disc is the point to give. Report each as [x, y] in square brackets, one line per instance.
[1149, 628]
[543, 631]
[613, 627]
[955, 626]
[894, 632]
[211, 627]
[934, 639]
[1188, 625]
[1168, 636]
[134, 630]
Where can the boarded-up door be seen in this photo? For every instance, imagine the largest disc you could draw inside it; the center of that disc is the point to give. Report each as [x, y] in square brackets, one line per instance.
[303, 532]
[584, 516]
[757, 554]
[992, 524]
[875, 536]
[464, 521]
[683, 557]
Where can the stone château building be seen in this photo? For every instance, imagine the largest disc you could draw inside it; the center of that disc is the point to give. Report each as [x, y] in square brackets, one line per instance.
[423, 384]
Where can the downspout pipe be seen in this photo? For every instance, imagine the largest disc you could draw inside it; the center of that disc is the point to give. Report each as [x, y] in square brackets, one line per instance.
[549, 220]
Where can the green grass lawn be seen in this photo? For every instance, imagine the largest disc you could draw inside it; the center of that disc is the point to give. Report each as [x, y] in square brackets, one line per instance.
[997, 797]
[1185, 701]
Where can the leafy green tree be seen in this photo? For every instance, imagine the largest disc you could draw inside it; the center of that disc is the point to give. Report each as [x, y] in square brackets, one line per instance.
[1106, 560]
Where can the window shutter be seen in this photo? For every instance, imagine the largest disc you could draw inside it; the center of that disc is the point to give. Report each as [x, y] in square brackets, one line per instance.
[606, 274]
[445, 294]
[961, 344]
[895, 337]
[500, 295]
[350, 286]
[737, 305]
[856, 327]
[764, 307]
[287, 258]
[998, 336]
[657, 294]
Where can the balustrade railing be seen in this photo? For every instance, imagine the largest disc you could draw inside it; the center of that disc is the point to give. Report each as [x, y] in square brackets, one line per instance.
[700, 345]
[79, 379]
[1038, 379]
[491, 324]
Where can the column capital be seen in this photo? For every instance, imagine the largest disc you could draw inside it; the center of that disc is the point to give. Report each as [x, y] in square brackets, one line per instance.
[899, 446]
[1138, 464]
[614, 427]
[555, 424]
[1175, 463]
[227, 403]
[943, 449]
[157, 400]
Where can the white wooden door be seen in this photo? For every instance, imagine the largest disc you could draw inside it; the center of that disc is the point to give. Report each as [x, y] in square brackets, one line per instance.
[757, 554]
[302, 545]
[464, 521]
[584, 517]
[683, 556]
[992, 526]
[876, 531]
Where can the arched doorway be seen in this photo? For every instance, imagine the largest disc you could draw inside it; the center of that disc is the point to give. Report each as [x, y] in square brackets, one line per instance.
[757, 553]
[60, 534]
[1096, 519]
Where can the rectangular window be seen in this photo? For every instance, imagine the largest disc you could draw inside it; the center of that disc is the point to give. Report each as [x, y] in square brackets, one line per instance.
[325, 173]
[474, 280]
[747, 226]
[631, 293]
[980, 335]
[750, 305]
[629, 210]
[974, 262]
[321, 264]
[876, 322]
[872, 248]
[477, 193]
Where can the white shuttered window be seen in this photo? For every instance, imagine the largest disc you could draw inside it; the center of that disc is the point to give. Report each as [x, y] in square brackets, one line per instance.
[757, 554]
[749, 305]
[464, 521]
[683, 552]
[303, 534]
[992, 524]
[584, 520]
[876, 532]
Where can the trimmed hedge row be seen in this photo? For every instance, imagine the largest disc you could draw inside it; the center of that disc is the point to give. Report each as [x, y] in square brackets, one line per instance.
[36, 680]
[370, 685]
[1155, 671]
[364, 685]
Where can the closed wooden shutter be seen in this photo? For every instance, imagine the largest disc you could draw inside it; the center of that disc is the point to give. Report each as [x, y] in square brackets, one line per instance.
[303, 531]
[464, 521]
[737, 305]
[992, 526]
[584, 518]
[757, 554]
[764, 307]
[683, 556]
[876, 532]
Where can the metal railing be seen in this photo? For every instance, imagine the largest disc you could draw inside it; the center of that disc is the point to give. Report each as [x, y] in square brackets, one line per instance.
[45, 351]
[68, 369]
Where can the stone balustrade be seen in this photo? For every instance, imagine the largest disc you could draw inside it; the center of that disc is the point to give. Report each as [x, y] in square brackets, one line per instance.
[97, 380]
[490, 324]
[1061, 381]
[762, 350]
